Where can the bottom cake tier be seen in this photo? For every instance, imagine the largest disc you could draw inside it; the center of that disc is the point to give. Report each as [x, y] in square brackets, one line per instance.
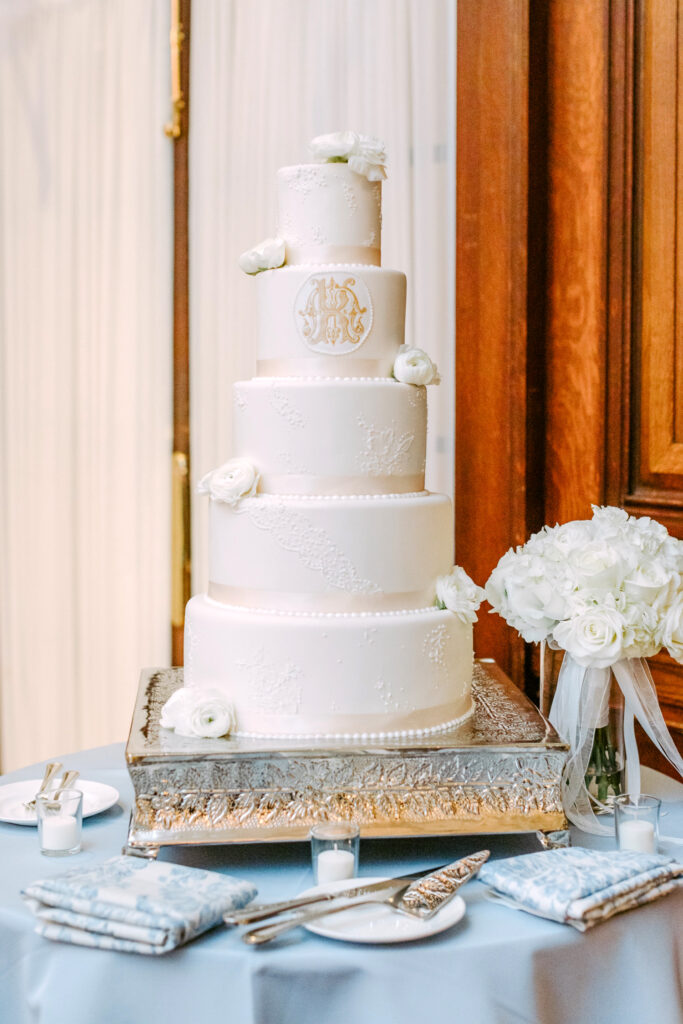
[340, 676]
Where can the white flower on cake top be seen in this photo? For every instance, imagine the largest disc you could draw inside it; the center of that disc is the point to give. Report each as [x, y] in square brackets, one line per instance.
[363, 153]
[234, 480]
[194, 713]
[413, 366]
[267, 255]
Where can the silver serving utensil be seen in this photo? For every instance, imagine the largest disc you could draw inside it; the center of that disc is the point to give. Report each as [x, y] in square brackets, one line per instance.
[67, 782]
[51, 770]
[261, 911]
[428, 895]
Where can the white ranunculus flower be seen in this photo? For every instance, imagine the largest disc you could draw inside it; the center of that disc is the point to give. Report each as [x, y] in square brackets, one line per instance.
[267, 255]
[334, 146]
[459, 594]
[593, 637]
[232, 481]
[177, 709]
[196, 712]
[672, 632]
[413, 366]
[364, 154]
[212, 714]
[368, 168]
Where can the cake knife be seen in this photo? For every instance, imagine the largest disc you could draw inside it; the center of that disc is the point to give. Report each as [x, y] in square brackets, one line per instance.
[421, 898]
[261, 911]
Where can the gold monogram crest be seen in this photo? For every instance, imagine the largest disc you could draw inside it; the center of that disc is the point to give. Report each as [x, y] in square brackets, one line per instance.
[333, 315]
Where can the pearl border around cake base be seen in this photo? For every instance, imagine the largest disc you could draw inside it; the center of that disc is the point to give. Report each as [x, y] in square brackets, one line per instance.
[500, 771]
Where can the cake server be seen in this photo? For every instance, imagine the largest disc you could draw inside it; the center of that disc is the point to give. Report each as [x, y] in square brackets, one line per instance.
[261, 911]
[50, 771]
[421, 898]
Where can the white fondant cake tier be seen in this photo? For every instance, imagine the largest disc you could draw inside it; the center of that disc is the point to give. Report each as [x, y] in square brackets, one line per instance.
[346, 554]
[322, 437]
[330, 321]
[329, 214]
[372, 675]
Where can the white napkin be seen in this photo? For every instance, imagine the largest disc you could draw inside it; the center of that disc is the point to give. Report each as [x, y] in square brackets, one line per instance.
[134, 905]
[581, 887]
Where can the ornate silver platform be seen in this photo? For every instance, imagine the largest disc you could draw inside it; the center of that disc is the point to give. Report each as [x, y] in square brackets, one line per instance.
[498, 772]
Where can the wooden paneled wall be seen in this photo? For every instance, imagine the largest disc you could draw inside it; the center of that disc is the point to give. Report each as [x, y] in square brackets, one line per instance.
[569, 354]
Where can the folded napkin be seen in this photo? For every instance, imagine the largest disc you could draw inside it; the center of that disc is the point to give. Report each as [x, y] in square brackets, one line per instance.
[134, 905]
[581, 887]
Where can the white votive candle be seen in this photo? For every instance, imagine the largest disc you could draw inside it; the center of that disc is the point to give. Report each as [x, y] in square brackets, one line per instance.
[637, 835]
[335, 864]
[60, 833]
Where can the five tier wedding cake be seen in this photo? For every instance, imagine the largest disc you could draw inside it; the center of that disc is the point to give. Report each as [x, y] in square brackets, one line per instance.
[333, 609]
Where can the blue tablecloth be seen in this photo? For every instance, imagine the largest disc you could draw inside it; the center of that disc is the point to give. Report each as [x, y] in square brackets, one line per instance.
[497, 966]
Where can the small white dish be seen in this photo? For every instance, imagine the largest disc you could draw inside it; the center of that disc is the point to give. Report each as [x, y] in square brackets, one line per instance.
[375, 922]
[97, 797]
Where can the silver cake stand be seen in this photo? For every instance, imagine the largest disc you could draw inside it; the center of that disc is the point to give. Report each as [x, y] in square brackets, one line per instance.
[498, 772]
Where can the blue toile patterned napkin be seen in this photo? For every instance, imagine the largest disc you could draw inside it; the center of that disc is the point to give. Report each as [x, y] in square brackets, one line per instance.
[133, 905]
[578, 886]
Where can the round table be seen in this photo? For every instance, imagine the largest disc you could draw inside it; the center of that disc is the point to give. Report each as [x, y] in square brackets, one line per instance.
[496, 966]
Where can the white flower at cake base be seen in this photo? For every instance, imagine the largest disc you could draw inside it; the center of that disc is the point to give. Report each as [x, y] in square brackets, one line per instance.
[459, 594]
[413, 366]
[267, 255]
[364, 154]
[231, 482]
[609, 592]
[198, 713]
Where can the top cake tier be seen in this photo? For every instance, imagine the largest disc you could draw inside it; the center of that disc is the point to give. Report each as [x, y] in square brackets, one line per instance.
[328, 213]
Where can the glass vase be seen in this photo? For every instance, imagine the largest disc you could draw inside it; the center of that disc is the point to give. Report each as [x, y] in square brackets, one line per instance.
[606, 776]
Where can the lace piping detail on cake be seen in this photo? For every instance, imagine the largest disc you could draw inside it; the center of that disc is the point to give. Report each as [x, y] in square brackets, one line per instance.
[435, 645]
[385, 451]
[295, 532]
[274, 688]
[284, 407]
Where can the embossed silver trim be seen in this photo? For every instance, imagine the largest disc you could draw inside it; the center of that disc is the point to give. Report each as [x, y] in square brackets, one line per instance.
[498, 772]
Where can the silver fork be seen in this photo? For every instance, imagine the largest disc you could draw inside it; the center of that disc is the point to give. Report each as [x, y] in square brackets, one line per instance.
[50, 771]
[258, 936]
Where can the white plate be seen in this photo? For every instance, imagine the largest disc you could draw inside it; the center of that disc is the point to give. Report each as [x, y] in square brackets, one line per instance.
[374, 922]
[97, 797]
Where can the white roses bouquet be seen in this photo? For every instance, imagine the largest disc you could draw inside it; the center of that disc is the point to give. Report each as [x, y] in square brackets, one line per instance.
[459, 594]
[609, 592]
[413, 366]
[602, 589]
[363, 153]
[234, 480]
[204, 713]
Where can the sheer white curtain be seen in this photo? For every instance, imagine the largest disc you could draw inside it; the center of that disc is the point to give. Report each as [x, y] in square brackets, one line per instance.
[266, 78]
[85, 367]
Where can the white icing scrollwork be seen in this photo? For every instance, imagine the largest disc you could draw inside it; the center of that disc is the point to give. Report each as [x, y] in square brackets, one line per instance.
[295, 532]
[385, 450]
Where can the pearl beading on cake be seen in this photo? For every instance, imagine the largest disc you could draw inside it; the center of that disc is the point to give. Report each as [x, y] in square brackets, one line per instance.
[281, 613]
[362, 737]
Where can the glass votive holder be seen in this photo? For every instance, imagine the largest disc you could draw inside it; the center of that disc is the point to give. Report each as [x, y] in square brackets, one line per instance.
[60, 821]
[334, 851]
[636, 822]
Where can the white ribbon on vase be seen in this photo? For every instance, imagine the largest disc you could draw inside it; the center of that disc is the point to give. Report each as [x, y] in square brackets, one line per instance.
[579, 707]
